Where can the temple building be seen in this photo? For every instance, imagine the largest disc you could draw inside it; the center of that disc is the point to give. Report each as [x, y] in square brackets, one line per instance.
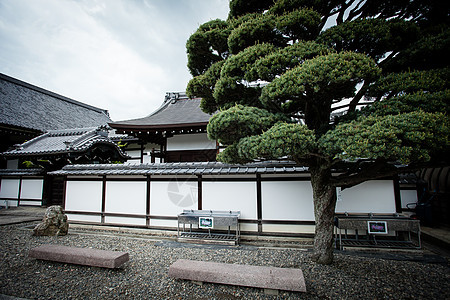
[176, 132]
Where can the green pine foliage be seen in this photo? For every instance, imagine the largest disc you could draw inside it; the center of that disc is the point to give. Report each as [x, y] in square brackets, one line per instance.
[280, 57]
[393, 137]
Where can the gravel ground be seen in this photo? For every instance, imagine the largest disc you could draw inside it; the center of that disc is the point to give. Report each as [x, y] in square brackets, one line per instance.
[353, 275]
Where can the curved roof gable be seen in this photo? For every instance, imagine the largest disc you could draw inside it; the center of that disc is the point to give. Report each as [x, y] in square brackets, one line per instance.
[177, 111]
[64, 141]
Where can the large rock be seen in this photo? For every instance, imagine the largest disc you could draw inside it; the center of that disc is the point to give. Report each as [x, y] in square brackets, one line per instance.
[53, 223]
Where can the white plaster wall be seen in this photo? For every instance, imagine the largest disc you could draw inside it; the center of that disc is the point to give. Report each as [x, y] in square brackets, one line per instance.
[124, 221]
[148, 159]
[135, 157]
[9, 188]
[9, 203]
[83, 218]
[32, 189]
[230, 196]
[169, 198]
[164, 223]
[375, 196]
[126, 197]
[84, 196]
[247, 227]
[287, 228]
[148, 152]
[30, 203]
[134, 153]
[195, 141]
[408, 196]
[287, 200]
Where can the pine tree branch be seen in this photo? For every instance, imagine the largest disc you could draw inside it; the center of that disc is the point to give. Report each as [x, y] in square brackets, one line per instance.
[370, 170]
[358, 97]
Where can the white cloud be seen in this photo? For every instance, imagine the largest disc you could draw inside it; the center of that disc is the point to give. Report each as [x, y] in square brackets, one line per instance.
[118, 55]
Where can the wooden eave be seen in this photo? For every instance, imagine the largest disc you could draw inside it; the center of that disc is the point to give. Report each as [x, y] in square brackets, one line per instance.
[159, 127]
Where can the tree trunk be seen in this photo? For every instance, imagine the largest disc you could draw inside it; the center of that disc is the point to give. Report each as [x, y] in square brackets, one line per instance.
[324, 196]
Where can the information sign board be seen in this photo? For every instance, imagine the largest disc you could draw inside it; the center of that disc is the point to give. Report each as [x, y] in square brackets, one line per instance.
[206, 222]
[377, 227]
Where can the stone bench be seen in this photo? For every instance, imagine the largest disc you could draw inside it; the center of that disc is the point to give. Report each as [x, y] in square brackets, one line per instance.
[268, 278]
[80, 256]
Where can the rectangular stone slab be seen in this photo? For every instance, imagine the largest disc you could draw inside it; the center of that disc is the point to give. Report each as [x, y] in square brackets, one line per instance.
[80, 256]
[286, 279]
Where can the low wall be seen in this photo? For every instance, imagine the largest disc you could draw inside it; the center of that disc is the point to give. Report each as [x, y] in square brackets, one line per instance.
[15, 191]
[269, 204]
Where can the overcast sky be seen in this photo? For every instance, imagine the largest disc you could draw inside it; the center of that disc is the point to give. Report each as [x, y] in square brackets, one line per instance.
[119, 55]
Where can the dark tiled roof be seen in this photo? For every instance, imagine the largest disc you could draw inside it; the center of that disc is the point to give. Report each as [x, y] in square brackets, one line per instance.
[177, 111]
[194, 168]
[21, 172]
[63, 141]
[28, 106]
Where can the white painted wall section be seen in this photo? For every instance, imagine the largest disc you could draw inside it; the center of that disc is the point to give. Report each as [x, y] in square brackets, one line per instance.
[288, 228]
[230, 196]
[369, 197]
[164, 223]
[32, 189]
[124, 220]
[126, 197]
[169, 198]
[195, 141]
[9, 188]
[83, 218]
[84, 196]
[287, 200]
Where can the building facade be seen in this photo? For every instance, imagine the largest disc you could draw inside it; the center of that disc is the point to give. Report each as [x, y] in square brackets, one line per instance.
[176, 132]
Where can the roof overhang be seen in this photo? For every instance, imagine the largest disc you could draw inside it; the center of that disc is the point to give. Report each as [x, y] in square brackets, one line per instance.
[159, 127]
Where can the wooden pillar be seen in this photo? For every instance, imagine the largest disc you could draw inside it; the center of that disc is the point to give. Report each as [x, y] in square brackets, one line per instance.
[142, 153]
[19, 191]
[152, 159]
[199, 192]
[47, 190]
[147, 208]
[259, 202]
[397, 196]
[64, 192]
[103, 199]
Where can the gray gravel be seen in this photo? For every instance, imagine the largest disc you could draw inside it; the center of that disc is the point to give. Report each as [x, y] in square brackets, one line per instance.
[353, 275]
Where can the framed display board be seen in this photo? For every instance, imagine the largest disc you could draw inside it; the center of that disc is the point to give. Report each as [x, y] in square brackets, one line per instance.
[377, 227]
[206, 222]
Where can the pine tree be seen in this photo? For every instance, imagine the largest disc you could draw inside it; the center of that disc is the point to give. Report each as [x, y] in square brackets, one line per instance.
[355, 90]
